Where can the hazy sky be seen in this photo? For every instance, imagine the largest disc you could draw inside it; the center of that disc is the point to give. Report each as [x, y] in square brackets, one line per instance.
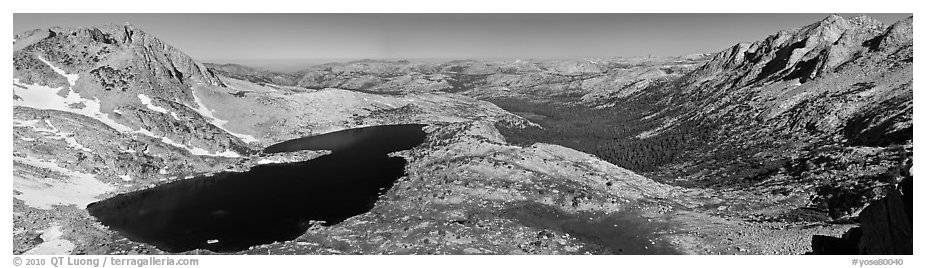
[223, 37]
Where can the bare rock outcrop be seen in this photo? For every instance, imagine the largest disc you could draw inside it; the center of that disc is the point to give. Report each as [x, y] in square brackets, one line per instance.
[139, 83]
[886, 228]
[121, 57]
[803, 53]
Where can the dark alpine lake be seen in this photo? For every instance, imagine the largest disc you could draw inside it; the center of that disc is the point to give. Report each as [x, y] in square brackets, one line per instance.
[232, 211]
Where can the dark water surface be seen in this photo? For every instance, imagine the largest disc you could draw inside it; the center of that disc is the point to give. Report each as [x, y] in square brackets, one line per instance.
[232, 211]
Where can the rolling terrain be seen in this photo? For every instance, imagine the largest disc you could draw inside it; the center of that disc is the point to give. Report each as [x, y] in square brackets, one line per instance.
[751, 150]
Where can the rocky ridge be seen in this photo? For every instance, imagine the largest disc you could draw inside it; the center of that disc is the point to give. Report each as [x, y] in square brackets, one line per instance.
[785, 163]
[124, 77]
[820, 116]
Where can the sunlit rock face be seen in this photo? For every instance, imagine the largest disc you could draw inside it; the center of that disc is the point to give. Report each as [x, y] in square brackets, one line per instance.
[751, 150]
[124, 77]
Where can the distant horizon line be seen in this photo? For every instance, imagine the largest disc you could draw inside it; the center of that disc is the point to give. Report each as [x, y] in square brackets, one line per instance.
[337, 59]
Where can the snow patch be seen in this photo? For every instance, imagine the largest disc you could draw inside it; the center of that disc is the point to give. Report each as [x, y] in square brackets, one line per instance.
[72, 78]
[46, 190]
[206, 112]
[147, 102]
[268, 161]
[42, 97]
[54, 133]
[53, 243]
[25, 123]
[191, 149]
[226, 153]
[125, 177]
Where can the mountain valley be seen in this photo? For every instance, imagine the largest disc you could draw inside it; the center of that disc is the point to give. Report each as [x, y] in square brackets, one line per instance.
[795, 144]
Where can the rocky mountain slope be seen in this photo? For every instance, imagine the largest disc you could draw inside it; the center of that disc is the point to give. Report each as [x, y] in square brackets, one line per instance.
[772, 142]
[828, 105]
[123, 77]
[808, 125]
[106, 110]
